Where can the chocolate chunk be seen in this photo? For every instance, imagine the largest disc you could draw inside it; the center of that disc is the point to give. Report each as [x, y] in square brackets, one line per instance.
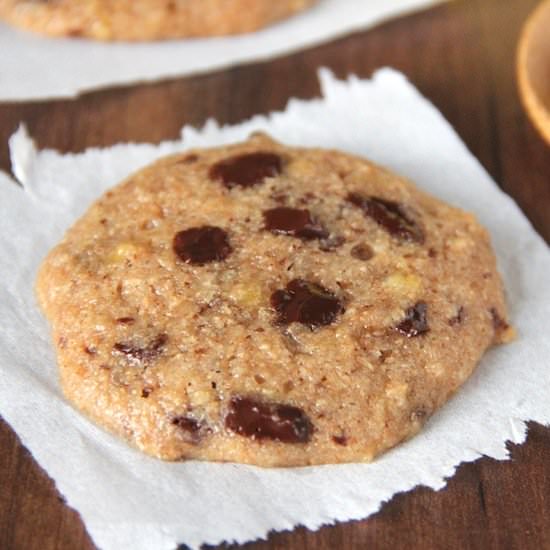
[362, 251]
[340, 440]
[246, 170]
[146, 392]
[262, 420]
[294, 222]
[307, 303]
[389, 215]
[415, 322]
[140, 354]
[187, 423]
[194, 429]
[126, 320]
[201, 245]
[189, 159]
[458, 318]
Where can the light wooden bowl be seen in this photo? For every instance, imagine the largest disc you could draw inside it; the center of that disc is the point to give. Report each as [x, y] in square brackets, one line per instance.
[533, 68]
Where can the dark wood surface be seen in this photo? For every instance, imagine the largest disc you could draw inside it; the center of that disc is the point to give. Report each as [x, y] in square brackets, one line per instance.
[461, 56]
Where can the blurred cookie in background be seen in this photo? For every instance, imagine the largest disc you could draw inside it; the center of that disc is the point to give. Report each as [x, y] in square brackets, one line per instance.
[136, 20]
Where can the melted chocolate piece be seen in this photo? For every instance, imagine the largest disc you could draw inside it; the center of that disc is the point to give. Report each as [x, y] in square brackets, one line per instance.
[194, 429]
[306, 303]
[415, 322]
[362, 251]
[187, 423]
[126, 320]
[340, 440]
[189, 159]
[458, 318]
[202, 245]
[389, 215]
[261, 420]
[146, 392]
[247, 169]
[294, 222]
[140, 354]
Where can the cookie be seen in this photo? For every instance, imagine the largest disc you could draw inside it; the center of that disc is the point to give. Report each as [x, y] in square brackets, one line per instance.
[147, 19]
[269, 305]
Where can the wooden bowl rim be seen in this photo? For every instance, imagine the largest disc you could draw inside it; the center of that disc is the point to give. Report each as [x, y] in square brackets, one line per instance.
[538, 112]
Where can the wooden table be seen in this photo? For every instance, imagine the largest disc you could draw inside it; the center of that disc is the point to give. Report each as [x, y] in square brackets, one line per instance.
[461, 56]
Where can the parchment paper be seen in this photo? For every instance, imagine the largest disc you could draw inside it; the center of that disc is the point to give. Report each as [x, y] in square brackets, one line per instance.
[129, 500]
[33, 67]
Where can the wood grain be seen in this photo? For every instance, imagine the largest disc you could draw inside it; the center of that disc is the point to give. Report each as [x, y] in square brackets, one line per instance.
[461, 56]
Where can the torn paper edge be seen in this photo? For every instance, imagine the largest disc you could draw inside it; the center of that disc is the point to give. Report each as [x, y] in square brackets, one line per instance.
[23, 154]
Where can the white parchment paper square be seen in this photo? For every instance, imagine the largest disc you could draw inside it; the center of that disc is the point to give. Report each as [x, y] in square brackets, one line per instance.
[34, 67]
[129, 500]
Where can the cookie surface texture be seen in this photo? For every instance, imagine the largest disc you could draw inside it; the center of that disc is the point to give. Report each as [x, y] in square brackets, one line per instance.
[269, 305]
[147, 19]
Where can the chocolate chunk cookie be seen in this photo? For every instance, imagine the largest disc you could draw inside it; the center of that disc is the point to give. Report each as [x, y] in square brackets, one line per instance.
[147, 19]
[269, 305]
